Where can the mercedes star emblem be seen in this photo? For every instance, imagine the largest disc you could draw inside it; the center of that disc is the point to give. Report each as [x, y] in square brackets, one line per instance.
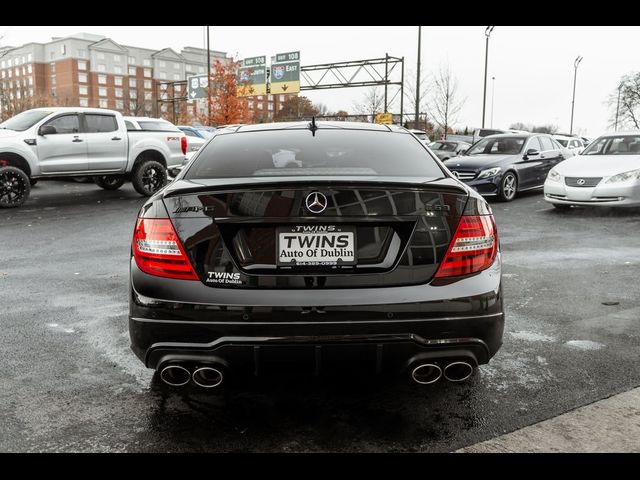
[581, 181]
[316, 202]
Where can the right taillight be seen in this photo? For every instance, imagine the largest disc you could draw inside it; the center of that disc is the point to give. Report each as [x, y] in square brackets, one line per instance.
[183, 145]
[473, 248]
[158, 251]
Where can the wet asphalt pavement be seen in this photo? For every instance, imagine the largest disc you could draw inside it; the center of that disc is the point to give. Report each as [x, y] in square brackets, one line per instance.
[69, 382]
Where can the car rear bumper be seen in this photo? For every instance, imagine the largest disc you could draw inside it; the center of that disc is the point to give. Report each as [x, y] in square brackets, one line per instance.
[602, 194]
[384, 329]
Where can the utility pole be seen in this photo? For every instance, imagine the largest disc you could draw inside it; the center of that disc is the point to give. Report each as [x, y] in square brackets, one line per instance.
[487, 33]
[415, 121]
[573, 101]
[208, 79]
[493, 93]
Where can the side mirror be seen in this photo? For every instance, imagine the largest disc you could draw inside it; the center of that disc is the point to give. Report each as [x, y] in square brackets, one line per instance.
[532, 152]
[47, 130]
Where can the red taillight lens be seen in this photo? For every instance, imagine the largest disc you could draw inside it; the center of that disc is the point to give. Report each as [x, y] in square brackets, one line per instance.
[183, 145]
[158, 251]
[473, 248]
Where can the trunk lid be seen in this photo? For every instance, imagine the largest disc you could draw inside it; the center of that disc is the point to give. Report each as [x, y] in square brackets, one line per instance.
[370, 233]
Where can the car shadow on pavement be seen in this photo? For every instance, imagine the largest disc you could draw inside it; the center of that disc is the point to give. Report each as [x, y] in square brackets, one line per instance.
[288, 413]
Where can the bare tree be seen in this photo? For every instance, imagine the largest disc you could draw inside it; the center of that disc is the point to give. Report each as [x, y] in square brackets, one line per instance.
[410, 96]
[372, 103]
[445, 104]
[627, 109]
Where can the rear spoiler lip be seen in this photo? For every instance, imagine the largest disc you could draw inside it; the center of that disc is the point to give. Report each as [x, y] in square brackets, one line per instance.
[186, 187]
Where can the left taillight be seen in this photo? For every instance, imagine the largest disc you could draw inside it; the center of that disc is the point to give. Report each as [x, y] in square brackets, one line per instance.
[183, 145]
[158, 251]
[473, 248]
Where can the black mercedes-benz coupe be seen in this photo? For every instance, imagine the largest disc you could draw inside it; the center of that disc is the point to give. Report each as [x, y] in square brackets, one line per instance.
[319, 248]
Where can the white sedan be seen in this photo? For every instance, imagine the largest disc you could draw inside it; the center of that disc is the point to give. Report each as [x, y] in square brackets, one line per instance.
[607, 173]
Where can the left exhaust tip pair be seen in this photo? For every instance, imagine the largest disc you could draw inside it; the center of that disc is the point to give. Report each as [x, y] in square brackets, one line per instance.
[179, 376]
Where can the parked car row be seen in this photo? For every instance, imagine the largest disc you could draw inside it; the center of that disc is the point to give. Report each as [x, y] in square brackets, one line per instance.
[606, 173]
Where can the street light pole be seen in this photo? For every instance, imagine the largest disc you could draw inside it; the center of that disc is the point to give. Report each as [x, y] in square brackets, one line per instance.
[573, 101]
[415, 121]
[493, 92]
[208, 80]
[618, 107]
[487, 33]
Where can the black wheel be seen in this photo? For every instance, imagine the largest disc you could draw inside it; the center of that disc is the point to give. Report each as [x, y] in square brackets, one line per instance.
[14, 187]
[109, 182]
[149, 177]
[32, 181]
[561, 206]
[508, 187]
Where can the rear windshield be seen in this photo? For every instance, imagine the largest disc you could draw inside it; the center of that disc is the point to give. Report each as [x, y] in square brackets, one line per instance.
[157, 125]
[332, 152]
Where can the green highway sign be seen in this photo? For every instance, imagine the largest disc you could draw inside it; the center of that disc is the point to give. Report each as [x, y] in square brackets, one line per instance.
[252, 81]
[197, 86]
[254, 61]
[288, 57]
[285, 77]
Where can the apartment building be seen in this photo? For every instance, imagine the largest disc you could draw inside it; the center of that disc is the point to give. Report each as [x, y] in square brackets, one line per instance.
[95, 71]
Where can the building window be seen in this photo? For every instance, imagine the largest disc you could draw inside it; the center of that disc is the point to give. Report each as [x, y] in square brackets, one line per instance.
[147, 84]
[132, 82]
[162, 75]
[147, 108]
[176, 65]
[4, 74]
[102, 67]
[29, 69]
[52, 66]
[163, 108]
[52, 55]
[31, 92]
[132, 106]
[176, 76]
[132, 71]
[147, 72]
[10, 73]
[82, 65]
[117, 69]
[30, 57]
[119, 105]
[270, 97]
[250, 105]
[3, 64]
[10, 63]
[63, 49]
[132, 59]
[116, 58]
[102, 91]
[162, 64]
[117, 81]
[102, 79]
[53, 80]
[100, 55]
[17, 72]
[200, 69]
[82, 78]
[133, 94]
[118, 93]
[83, 90]
[82, 53]
[259, 106]
[146, 62]
[84, 102]
[31, 81]
[103, 103]
[270, 107]
[147, 95]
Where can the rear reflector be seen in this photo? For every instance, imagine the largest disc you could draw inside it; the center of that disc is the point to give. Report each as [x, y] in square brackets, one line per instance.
[158, 251]
[472, 249]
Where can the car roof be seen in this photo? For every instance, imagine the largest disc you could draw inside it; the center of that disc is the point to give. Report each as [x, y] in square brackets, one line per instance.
[75, 109]
[305, 125]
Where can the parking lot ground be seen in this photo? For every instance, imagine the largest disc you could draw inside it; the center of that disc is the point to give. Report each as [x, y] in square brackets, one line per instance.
[69, 382]
[610, 425]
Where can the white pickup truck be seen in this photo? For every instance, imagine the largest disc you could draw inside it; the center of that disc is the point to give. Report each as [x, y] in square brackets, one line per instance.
[73, 142]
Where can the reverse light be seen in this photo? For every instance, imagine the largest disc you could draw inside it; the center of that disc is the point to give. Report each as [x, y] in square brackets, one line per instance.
[554, 176]
[158, 251]
[473, 248]
[183, 145]
[624, 177]
[491, 172]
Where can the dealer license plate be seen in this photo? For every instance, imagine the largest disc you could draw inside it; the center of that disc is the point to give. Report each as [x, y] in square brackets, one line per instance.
[316, 245]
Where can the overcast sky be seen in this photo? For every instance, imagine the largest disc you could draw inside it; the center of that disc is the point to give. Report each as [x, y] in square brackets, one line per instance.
[532, 66]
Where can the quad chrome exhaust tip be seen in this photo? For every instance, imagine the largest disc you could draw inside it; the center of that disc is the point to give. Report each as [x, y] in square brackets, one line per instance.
[426, 373]
[175, 375]
[207, 377]
[458, 371]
